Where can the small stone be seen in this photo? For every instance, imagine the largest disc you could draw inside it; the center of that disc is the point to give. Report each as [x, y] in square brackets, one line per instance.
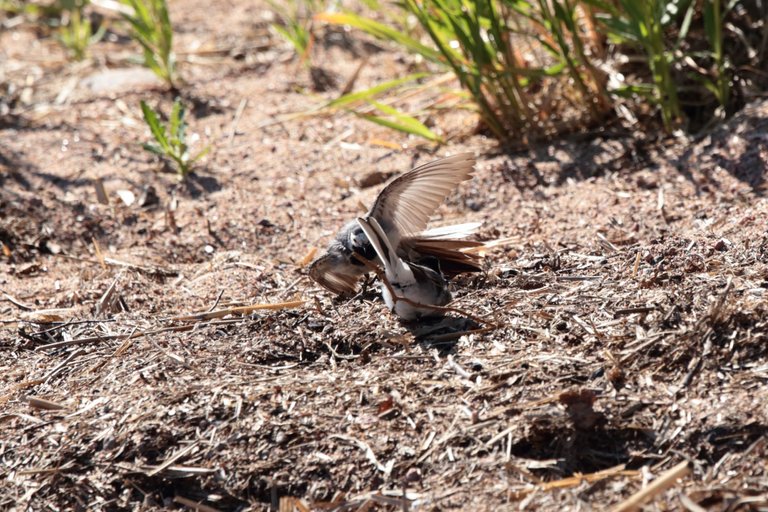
[723, 244]
[413, 475]
[148, 197]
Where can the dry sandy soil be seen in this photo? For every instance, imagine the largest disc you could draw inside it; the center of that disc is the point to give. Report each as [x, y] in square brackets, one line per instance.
[628, 313]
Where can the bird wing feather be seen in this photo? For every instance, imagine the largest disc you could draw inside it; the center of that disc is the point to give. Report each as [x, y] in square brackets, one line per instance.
[334, 274]
[405, 205]
[381, 244]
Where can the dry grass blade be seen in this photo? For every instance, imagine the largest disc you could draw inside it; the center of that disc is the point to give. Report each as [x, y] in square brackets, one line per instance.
[108, 300]
[288, 504]
[169, 462]
[140, 268]
[236, 119]
[16, 302]
[307, 259]
[60, 367]
[240, 310]
[99, 255]
[101, 193]
[575, 480]
[386, 469]
[47, 405]
[661, 484]
[194, 505]
[47, 316]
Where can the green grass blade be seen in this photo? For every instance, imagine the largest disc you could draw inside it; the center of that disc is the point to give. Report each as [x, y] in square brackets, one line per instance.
[403, 122]
[395, 125]
[153, 149]
[619, 30]
[380, 31]
[152, 30]
[157, 129]
[176, 126]
[685, 26]
[296, 42]
[372, 92]
[201, 154]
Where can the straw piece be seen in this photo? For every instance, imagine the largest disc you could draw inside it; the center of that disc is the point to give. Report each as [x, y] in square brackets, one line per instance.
[658, 486]
[46, 405]
[303, 262]
[240, 310]
[194, 505]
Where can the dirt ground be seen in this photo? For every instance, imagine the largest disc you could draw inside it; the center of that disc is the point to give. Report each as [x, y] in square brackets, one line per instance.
[628, 312]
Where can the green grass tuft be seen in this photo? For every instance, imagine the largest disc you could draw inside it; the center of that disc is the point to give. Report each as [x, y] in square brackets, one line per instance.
[170, 140]
[151, 28]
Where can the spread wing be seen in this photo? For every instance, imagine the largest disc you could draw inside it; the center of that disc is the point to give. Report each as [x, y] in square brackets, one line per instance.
[334, 273]
[405, 205]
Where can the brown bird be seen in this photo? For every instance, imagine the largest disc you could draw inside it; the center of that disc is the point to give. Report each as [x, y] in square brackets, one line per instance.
[402, 211]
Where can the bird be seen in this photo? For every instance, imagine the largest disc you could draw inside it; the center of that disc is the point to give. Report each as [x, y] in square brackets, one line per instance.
[411, 291]
[402, 210]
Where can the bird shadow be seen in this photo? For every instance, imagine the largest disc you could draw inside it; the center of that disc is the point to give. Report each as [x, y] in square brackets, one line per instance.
[441, 333]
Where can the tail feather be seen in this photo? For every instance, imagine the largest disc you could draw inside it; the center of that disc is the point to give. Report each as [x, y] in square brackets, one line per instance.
[448, 232]
[453, 254]
[451, 245]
